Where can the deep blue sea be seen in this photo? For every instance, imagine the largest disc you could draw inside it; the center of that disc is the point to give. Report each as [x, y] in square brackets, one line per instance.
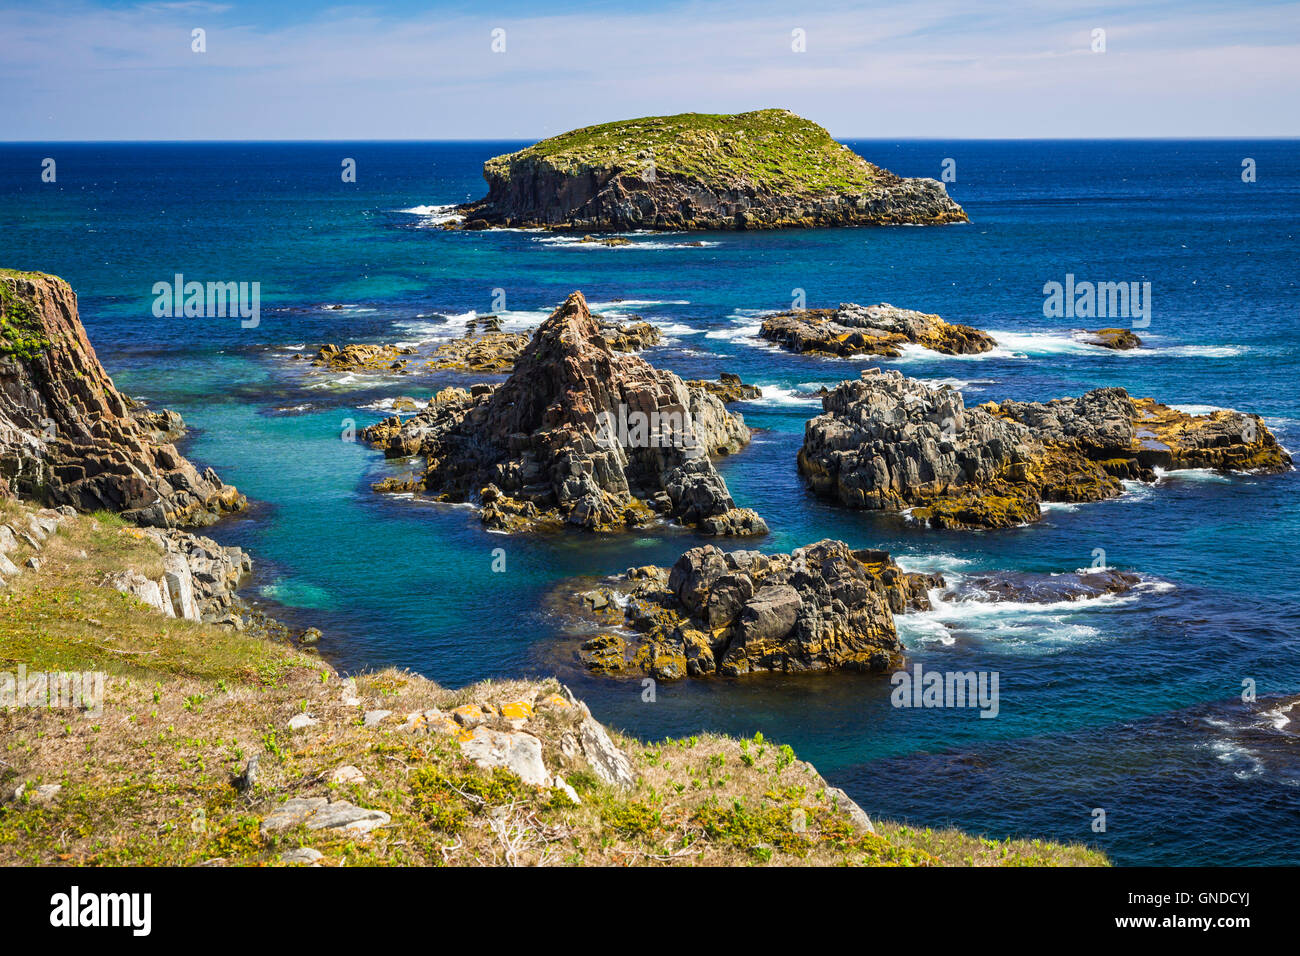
[1129, 704]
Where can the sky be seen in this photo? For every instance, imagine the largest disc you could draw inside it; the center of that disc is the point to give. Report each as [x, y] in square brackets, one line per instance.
[109, 70]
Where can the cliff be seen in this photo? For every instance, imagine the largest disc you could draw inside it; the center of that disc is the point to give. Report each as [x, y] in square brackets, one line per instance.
[766, 169]
[69, 437]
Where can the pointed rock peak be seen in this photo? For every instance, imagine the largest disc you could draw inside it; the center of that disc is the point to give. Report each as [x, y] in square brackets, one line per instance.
[571, 325]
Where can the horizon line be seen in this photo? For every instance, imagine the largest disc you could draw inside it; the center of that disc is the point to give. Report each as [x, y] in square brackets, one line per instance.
[496, 139]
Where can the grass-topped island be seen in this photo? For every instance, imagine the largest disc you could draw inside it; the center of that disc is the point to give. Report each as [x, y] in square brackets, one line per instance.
[767, 169]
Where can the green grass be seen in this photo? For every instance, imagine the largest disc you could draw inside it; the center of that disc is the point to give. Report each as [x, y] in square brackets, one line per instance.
[21, 332]
[772, 150]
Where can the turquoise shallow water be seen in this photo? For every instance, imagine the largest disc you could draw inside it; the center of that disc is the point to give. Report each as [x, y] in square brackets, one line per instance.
[1129, 705]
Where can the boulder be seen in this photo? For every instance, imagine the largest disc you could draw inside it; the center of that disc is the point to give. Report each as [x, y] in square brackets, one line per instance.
[517, 752]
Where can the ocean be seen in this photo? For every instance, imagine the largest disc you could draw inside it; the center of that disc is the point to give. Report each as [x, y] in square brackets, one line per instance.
[1128, 704]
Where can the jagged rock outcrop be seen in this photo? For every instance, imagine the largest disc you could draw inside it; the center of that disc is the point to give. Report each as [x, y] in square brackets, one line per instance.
[870, 330]
[631, 336]
[578, 435]
[68, 437]
[199, 580]
[488, 352]
[821, 607]
[1118, 340]
[360, 357]
[890, 443]
[729, 388]
[761, 170]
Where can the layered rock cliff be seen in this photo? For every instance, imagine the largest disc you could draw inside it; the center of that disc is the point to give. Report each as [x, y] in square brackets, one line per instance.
[761, 170]
[886, 442]
[68, 437]
[579, 435]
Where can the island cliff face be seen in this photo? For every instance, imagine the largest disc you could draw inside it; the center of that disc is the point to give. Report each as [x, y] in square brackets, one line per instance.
[891, 443]
[579, 434]
[766, 169]
[69, 437]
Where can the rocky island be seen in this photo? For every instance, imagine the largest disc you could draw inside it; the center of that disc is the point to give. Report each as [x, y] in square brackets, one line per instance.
[578, 435]
[891, 443]
[1117, 340]
[766, 169]
[822, 607]
[881, 329]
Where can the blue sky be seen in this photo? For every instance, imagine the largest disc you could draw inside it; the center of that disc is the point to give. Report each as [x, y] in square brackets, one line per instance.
[426, 70]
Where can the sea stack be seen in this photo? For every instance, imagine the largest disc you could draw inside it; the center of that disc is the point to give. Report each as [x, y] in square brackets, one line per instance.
[579, 435]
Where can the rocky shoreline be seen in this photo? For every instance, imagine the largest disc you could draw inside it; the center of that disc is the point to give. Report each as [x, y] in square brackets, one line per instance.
[880, 329]
[768, 169]
[889, 443]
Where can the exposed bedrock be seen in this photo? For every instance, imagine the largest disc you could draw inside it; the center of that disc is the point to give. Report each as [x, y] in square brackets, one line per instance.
[69, 437]
[890, 443]
[820, 608]
[578, 435]
[881, 329]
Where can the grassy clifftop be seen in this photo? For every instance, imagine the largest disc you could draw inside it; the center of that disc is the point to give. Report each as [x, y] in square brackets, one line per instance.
[772, 150]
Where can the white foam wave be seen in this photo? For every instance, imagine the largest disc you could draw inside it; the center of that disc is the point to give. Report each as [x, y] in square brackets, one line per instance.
[948, 564]
[1198, 351]
[781, 395]
[737, 333]
[1024, 344]
[1191, 474]
[434, 215]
